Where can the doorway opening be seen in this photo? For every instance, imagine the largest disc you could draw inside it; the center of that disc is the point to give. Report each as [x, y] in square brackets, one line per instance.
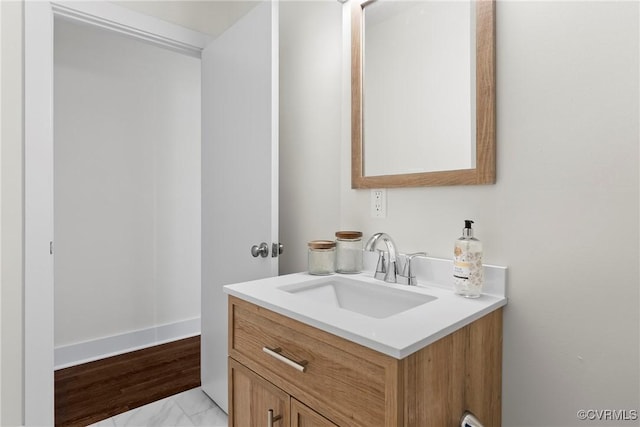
[126, 193]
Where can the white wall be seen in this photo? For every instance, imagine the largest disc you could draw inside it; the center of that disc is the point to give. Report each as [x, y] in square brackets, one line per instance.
[127, 184]
[563, 215]
[310, 126]
[11, 215]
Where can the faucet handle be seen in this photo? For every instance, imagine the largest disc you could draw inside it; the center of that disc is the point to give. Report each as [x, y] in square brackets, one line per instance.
[408, 277]
[381, 267]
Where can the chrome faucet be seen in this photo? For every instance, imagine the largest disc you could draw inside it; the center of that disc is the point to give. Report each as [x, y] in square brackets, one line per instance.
[387, 269]
[408, 277]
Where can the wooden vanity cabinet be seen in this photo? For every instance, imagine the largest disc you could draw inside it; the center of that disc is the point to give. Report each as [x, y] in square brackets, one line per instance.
[317, 379]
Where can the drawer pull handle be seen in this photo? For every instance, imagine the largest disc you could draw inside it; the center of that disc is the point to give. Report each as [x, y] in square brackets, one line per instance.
[271, 419]
[275, 352]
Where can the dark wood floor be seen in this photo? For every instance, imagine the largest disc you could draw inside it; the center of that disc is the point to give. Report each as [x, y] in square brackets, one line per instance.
[94, 391]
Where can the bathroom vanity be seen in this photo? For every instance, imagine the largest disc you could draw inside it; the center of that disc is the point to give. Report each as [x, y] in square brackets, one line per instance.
[296, 358]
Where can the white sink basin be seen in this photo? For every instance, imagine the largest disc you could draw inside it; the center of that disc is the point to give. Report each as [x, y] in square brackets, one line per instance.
[373, 300]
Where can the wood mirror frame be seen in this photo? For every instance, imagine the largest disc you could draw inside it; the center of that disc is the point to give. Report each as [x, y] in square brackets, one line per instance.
[485, 170]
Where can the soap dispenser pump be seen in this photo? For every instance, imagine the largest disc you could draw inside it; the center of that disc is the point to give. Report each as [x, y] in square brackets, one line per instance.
[468, 275]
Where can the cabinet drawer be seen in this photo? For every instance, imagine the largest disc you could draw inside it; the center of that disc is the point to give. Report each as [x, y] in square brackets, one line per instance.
[349, 384]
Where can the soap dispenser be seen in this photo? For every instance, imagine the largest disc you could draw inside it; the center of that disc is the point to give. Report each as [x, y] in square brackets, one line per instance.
[468, 275]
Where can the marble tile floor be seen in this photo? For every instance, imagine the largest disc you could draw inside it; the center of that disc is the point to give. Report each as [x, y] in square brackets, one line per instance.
[190, 408]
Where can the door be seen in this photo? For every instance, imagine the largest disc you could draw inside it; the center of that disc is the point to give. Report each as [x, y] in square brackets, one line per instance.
[303, 416]
[255, 402]
[239, 174]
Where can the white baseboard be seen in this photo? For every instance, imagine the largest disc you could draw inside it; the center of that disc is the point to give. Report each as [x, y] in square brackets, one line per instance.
[88, 351]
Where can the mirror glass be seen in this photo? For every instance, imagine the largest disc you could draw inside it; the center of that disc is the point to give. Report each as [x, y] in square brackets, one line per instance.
[423, 93]
[419, 103]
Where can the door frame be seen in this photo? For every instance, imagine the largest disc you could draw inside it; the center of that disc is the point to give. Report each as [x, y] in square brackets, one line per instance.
[38, 366]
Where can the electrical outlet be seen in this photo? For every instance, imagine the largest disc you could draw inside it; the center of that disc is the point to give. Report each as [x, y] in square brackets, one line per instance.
[379, 203]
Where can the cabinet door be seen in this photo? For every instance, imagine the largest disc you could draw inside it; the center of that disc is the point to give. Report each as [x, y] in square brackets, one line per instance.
[303, 416]
[253, 400]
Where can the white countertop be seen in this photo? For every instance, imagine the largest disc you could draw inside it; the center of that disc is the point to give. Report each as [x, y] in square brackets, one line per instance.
[398, 335]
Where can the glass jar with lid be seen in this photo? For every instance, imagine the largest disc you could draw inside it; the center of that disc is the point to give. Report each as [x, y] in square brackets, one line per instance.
[348, 252]
[321, 258]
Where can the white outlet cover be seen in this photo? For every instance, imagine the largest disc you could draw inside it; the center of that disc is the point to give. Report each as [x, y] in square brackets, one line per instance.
[379, 203]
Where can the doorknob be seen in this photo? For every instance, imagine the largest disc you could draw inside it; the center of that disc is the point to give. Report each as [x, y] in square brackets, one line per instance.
[262, 250]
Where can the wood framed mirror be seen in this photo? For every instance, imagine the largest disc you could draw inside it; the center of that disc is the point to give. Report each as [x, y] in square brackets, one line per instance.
[480, 166]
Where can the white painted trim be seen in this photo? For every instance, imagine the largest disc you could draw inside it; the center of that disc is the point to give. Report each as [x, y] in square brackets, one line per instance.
[134, 24]
[1, 383]
[88, 351]
[275, 126]
[38, 214]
